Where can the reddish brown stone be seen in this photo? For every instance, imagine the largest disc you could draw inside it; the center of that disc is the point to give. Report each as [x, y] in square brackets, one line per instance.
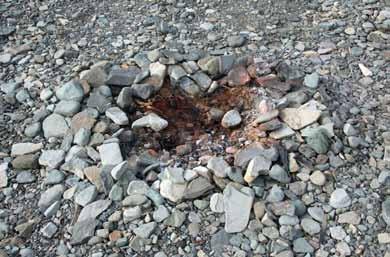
[238, 76]
[115, 235]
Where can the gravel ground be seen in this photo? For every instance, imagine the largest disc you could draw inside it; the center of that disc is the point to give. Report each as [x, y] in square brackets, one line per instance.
[340, 197]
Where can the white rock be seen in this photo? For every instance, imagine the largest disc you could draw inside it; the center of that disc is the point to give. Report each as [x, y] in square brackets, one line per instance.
[110, 154]
[219, 166]
[216, 203]
[3, 174]
[237, 207]
[119, 170]
[339, 199]
[365, 71]
[117, 116]
[298, 118]
[25, 148]
[152, 121]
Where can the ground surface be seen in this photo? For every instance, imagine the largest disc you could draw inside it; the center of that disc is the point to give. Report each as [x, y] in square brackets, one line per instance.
[328, 37]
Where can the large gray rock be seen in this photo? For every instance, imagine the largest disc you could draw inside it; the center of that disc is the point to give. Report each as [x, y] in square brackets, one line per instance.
[93, 210]
[25, 148]
[52, 158]
[122, 76]
[339, 199]
[70, 91]
[86, 196]
[83, 230]
[237, 207]
[50, 196]
[55, 126]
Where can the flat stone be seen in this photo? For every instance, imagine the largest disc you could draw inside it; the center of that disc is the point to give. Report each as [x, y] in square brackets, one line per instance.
[54, 177]
[93, 210]
[25, 148]
[298, 118]
[55, 126]
[160, 214]
[238, 76]
[218, 166]
[142, 91]
[302, 246]
[145, 230]
[350, 217]
[236, 41]
[83, 230]
[245, 155]
[386, 211]
[95, 76]
[318, 140]
[118, 171]
[202, 80]
[82, 120]
[52, 158]
[25, 177]
[275, 194]
[283, 132]
[49, 230]
[99, 102]
[189, 87]
[337, 232]
[237, 207]
[312, 80]
[231, 119]
[310, 226]
[384, 238]
[117, 116]
[216, 203]
[316, 213]
[152, 121]
[318, 178]
[339, 199]
[176, 219]
[122, 76]
[86, 196]
[110, 154]
[125, 98]
[3, 174]
[70, 91]
[133, 213]
[50, 196]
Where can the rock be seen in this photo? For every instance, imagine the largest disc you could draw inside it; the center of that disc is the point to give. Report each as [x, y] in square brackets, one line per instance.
[202, 80]
[99, 102]
[95, 76]
[349, 130]
[245, 155]
[238, 76]
[310, 226]
[110, 154]
[83, 119]
[384, 238]
[152, 121]
[343, 249]
[218, 166]
[67, 108]
[70, 91]
[122, 76]
[157, 69]
[298, 118]
[117, 116]
[33, 129]
[52, 158]
[94, 209]
[189, 87]
[172, 191]
[231, 119]
[386, 211]
[25, 177]
[143, 91]
[258, 165]
[279, 174]
[3, 174]
[5, 58]
[160, 214]
[197, 187]
[283, 132]
[318, 140]
[25, 148]
[176, 72]
[132, 213]
[82, 137]
[311, 80]
[145, 230]
[339, 199]
[25, 162]
[302, 246]
[337, 233]
[55, 126]
[275, 194]
[118, 171]
[365, 71]
[83, 230]
[236, 41]
[54, 177]
[216, 203]
[318, 178]
[49, 230]
[237, 207]
[50, 196]
[316, 213]
[125, 98]
[350, 217]
[176, 219]
[86, 196]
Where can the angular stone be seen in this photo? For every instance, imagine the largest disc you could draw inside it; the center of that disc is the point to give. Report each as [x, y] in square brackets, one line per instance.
[189, 87]
[86, 196]
[50, 196]
[279, 174]
[283, 132]
[298, 118]
[93, 210]
[145, 230]
[95, 76]
[245, 155]
[312, 80]
[238, 76]
[3, 174]
[143, 91]
[83, 230]
[122, 76]
[216, 203]
[310, 226]
[125, 98]
[25, 162]
[237, 207]
[302, 246]
[351, 217]
[318, 140]
[132, 213]
[197, 187]
[339, 199]
[152, 121]
[259, 165]
[25, 148]
[52, 158]
[386, 211]
[110, 154]
[99, 102]
[202, 80]
[117, 116]
[218, 166]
